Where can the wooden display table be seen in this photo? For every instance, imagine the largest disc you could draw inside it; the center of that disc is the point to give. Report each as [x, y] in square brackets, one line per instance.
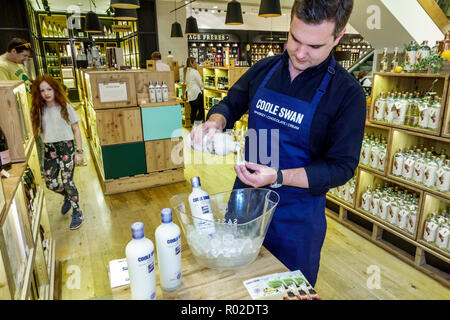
[200, 283]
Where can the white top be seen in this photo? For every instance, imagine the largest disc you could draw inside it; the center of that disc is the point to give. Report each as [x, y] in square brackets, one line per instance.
[194, 83]
[55, 128]
[161, 66]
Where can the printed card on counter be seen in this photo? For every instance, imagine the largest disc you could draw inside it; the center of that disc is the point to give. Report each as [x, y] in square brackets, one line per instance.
[290, 285]
[118, 273]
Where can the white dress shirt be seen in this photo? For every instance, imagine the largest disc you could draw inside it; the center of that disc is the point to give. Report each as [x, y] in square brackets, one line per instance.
[194, 83]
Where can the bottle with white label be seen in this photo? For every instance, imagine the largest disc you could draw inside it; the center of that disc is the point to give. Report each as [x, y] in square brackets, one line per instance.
[158, 92]
[165, 92]
[366, 199]
[397, 165]
[431, 225]
[419, 168]
[201, 209]
[390, 108]
[435, 111]
[152, 92]
[443, 177]
[382, 155]
[375, 202]
[443, 233]
[168, 251]
[430, 171]
[424, 113]
[411, 227]
[380, 107]
[408, 165]
[401, 107]
[140, 254]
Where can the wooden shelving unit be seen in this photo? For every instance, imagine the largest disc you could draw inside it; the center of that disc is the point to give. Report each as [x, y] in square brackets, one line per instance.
[23, 213]
[411, 248]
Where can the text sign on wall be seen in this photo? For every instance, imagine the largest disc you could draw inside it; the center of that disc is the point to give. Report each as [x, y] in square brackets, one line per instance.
[208, 37]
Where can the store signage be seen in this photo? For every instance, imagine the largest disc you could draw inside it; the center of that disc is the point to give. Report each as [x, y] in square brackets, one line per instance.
[208, 37]
[121, 28]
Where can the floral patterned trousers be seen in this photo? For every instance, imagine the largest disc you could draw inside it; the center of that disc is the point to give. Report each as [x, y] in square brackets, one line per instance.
[59, 156]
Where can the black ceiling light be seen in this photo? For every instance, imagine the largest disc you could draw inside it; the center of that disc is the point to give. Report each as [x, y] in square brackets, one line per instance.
[125, 4]
[191, 26]
[234, 13]
[125, 14]
[92, 23]
[269, 8]
[176, 31]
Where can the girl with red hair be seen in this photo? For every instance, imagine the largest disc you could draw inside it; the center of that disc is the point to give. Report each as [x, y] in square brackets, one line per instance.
[57, 123]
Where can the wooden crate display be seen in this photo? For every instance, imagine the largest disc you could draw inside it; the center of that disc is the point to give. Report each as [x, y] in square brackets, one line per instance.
[120, 125]
[161, 122]
[367, 179]
[142, 79]
[123, 160]
[410, 82]
[15, 119]
[164, 154]
[433, 204]
[385, 133]
[107, 89]
[403, 139]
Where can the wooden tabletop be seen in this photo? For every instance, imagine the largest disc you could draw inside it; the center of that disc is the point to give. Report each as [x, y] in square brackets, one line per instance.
[200, 283]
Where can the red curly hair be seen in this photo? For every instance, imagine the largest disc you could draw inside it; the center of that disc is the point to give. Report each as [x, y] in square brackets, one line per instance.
[38, 103]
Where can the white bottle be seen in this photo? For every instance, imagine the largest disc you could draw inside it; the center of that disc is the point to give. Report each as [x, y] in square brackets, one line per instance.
[201, 210]
[158, 92]
[152, 92]
[168, 250]
[165, 92]
[140, 255]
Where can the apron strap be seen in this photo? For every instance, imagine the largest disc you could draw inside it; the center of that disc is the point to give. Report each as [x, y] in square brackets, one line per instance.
[325, 81]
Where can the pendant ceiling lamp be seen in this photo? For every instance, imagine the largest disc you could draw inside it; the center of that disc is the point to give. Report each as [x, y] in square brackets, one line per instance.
[176, 31]
[269, 8]
[92, 24]
[191, 25]
[125, 14]
[125, 4]
[234, 13]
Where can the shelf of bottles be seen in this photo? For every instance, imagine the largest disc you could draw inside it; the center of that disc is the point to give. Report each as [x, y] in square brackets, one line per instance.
[410, 101]
[37, 52]
[217, 54]
[264, 50]
[345, 193]
[389, 203]
[374, 149]
[131, 52]
[434, 231]
[356, 52]
[59, 62]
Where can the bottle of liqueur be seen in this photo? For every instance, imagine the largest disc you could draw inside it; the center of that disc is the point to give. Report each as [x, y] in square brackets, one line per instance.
[5, 159]
[424, 51]
[384, 63]
[394, 62]
[434, 113]
[411, 56]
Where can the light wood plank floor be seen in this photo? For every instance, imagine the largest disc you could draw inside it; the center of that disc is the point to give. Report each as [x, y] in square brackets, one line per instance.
[84, 253]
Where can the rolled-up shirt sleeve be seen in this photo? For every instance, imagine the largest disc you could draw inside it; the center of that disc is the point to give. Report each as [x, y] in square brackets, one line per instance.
[344, 138]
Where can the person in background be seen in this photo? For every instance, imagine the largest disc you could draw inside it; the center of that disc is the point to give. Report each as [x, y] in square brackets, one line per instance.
[57, 123]
[11, 62]
[306, 117]
[194, 89]
[364, 79]
[160, 66]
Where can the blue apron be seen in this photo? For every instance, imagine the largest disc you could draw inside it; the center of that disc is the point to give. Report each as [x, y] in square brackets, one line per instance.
[297, 231]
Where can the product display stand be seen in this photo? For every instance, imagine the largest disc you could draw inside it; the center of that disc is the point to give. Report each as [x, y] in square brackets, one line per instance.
[131, 139]
[409, 247]
[27, 264]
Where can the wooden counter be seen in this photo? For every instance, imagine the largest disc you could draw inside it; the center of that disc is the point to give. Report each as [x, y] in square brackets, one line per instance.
[200, 283]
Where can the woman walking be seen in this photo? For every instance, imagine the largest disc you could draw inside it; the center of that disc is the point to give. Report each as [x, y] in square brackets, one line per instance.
[57, 123]
[194, 87]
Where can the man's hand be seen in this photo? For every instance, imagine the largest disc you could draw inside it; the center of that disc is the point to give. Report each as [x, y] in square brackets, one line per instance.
[262, 175]
[215, 123]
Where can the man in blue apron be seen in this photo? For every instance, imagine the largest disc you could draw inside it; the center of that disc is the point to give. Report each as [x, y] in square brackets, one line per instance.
[309, 114]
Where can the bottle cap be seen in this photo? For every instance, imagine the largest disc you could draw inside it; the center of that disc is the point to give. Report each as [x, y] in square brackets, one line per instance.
[166, 215]
[137, 230]
[195, 182]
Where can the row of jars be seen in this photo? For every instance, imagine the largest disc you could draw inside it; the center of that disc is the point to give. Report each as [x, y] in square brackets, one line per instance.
[345, 192]
[437, 229]
[423, 167]
[409, 109]
[397, 207]
[373, 151]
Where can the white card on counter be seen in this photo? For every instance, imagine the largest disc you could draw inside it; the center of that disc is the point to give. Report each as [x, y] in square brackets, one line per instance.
[113, 92]
[118, 273]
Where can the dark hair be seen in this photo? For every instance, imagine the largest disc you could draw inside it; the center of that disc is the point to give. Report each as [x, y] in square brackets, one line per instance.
[317, 11]
[19, 44]
[156, 55]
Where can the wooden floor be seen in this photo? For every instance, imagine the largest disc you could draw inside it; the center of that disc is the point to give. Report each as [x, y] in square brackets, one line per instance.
[347, 264]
